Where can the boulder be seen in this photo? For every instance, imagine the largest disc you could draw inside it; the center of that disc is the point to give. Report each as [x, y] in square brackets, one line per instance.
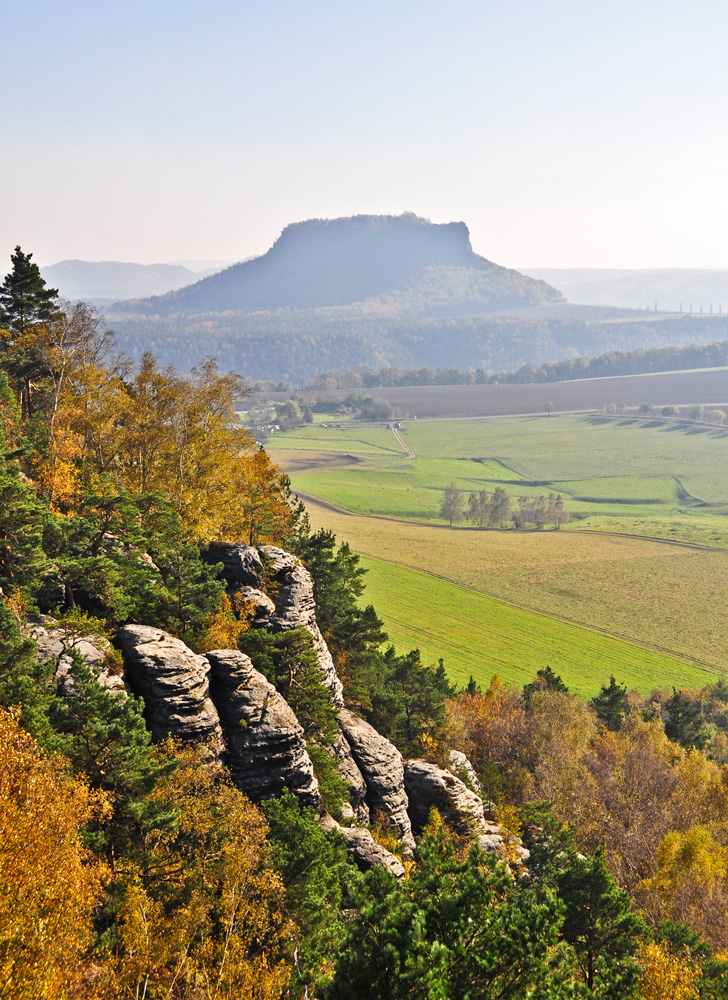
[174, 683]
[266, 747]
[241, 564]
[363, 848]
[54, 642]
[428, 786]
[380, 763]
[259, 603]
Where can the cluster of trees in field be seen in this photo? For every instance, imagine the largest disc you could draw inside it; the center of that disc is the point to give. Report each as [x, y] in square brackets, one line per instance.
[495, 510]
[296, 411]
[129, 869]
[642, 361]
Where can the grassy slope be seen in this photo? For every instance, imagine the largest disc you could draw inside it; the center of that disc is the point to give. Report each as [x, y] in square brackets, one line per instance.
[668, 597]
[623, 470]
[476, 634]
[623, 476]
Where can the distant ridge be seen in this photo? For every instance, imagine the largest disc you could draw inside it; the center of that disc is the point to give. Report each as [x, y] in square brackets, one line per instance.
[110, 280]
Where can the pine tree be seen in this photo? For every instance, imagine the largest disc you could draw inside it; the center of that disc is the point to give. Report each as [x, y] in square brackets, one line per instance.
[106, 740]
[685, 723]
[599, 924]
[24, 298]
[611, 704]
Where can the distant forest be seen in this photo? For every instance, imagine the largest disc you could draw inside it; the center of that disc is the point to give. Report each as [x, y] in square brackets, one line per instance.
[296, 345]
[638, 362]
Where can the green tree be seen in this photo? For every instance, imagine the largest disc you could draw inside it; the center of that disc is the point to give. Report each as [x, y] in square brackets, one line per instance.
[409, 702]
[318, 876]
[611, 704]
[24, 298]
[106, 739]
[454, 928]
[451, 505]
[546, 679]
[685, 723]
[25, 304]
[599, 924]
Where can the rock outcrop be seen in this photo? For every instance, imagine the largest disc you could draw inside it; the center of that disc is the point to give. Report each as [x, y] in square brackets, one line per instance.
[356, 808]
[380, 763]
[363, 848]
[266, 747]
[174, 683]
[429, 786]
[268, 574]
[54, 642]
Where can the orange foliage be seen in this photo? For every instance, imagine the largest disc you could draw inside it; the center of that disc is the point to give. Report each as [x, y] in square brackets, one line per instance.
[48, 883]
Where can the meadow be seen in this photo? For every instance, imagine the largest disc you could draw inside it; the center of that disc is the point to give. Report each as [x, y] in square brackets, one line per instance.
[479, 636]
[630, 486]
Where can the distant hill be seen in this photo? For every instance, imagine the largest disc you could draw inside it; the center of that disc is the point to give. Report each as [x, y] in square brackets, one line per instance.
[671, 288]
[329, 293]
[110, 280]
[338, 262]
[380, 291]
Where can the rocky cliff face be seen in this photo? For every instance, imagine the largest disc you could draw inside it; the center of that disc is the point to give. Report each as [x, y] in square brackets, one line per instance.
[266, 748]
[175, 685]
[281, 589]
[221, 699]
[56, 643]
[380, 764]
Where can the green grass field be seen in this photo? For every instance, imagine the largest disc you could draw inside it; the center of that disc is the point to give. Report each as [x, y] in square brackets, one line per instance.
[619, 478]
[479, 635]
[670, 474]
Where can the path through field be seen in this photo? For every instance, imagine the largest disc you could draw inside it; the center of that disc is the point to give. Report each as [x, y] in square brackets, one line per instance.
[410, 453]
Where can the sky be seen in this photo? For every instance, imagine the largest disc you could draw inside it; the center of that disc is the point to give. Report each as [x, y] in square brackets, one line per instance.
[565, 133]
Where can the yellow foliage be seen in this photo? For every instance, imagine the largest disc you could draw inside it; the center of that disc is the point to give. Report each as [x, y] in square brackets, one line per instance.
[667, 976]
[48, 883]
[690, 883]
[226, 624]
[210, 922]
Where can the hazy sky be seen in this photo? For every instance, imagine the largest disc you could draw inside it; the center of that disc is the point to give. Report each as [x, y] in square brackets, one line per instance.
[563, 132]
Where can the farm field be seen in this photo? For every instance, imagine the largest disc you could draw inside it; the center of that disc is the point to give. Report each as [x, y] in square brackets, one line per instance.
[626, 483]
[707, 385]
[672, 472]
[480, 636]
[670, 598]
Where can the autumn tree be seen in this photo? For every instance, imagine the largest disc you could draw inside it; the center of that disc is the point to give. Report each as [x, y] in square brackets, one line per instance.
[49, 883]
[207, 921]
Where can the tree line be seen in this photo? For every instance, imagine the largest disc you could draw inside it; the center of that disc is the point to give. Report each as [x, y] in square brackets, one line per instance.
[641, 361]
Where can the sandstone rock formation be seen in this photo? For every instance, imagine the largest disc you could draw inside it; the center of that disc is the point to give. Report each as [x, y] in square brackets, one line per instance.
[287, 583]
[266, 748]
[380, 763]
[356, 808]
[428, 786]
[174, 683]
[54, 642]
[363, 848]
